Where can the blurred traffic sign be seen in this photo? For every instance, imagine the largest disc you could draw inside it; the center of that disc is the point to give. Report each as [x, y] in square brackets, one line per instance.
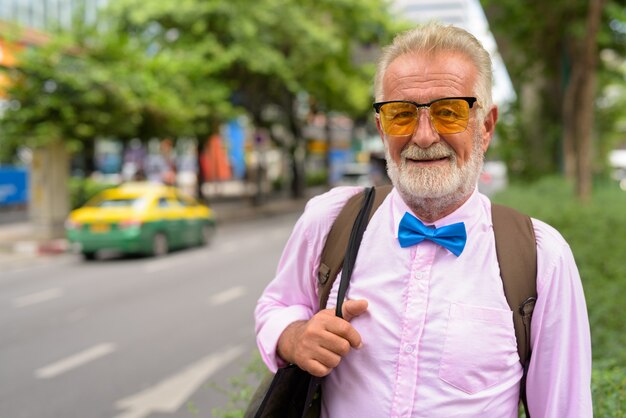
[13, 186]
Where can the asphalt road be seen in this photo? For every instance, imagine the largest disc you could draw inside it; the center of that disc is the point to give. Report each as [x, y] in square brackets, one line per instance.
[135, 337]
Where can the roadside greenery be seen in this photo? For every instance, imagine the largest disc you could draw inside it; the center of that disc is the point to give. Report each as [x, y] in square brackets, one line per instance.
[83, 189]
[595, 232]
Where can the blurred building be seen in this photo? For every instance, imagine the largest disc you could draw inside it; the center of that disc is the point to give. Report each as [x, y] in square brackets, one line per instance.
[48, 14]
[469, 15]
[24, 23]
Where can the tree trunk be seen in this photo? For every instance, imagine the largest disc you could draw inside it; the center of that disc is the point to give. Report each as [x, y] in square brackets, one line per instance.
[298, 183]
[328, 163]
[584, 108]
[49, 200]
[297, 151]
[570, 104]
[200, 144]
[537, 157]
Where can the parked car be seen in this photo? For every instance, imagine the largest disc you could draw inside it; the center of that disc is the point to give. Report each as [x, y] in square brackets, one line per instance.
[139, 218]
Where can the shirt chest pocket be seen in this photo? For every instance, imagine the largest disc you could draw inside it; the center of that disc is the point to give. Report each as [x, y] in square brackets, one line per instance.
[480, 349]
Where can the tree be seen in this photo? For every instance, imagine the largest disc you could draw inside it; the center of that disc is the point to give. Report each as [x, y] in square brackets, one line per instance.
[577, 140]
[69, 92]
[552, 51]
[90, 85]
[267, 55]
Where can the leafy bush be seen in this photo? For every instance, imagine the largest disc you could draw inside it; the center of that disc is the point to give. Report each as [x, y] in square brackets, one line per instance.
[609, 390]
[316, 178]
[242, 388]
[83, 189]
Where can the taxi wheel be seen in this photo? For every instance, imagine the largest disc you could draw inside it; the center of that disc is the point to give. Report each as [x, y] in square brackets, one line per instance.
[206, 234]
[89, 255]
[160, 246]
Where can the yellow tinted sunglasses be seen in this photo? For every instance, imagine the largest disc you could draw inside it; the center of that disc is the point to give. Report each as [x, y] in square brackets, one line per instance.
[449, 115]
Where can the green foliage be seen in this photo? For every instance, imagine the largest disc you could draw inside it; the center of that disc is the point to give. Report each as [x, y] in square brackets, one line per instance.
[241, 389]
[85, 85]
[316, 178]
[264, 56]
[271, 51]
[609, 391]
[540, 43]
[83, 189]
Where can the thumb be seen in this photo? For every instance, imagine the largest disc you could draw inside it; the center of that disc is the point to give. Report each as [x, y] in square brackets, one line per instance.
[353, 308]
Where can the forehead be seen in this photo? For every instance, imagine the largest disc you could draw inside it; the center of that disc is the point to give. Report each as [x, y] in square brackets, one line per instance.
[424, 77]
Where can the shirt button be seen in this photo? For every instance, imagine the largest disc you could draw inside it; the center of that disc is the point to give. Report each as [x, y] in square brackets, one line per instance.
[419, 275]
[408, 348]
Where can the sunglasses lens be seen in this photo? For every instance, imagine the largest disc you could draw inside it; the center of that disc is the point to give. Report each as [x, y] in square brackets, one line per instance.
[398, 118]
[450, 116]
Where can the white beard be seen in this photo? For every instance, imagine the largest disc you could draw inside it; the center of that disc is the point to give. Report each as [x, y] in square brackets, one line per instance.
[434, 190]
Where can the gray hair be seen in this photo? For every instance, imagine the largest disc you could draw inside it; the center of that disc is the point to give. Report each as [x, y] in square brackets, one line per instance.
[432, 38]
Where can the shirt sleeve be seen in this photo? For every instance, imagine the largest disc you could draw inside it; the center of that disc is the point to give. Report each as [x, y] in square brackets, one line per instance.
[559, 375]
[292, 294]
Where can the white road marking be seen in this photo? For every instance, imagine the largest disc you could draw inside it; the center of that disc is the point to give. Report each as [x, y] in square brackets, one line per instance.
[170, 394]
[38, 297]
[75, 360]
[227, 295]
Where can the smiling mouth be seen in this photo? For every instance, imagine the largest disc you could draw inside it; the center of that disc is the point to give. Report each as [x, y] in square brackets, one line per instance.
[427, 160]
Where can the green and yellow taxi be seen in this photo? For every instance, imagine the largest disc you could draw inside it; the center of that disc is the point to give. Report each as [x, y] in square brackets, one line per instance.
[139, 218]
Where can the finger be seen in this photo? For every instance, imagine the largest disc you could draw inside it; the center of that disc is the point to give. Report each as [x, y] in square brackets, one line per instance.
[316, 368]
[353, 308]
[327, 358]
[336, 344]
[343, 329]
[322, 332]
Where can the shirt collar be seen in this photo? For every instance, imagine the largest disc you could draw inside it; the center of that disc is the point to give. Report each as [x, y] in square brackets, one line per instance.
[469, 212]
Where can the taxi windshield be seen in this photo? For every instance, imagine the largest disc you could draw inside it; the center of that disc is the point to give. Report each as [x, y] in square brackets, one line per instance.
[118, 202]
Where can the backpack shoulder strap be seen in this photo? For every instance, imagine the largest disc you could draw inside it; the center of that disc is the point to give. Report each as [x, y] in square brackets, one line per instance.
[334, 250]
[516, 249]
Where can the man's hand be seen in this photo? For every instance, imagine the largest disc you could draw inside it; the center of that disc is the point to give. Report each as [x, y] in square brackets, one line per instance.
[319, 344]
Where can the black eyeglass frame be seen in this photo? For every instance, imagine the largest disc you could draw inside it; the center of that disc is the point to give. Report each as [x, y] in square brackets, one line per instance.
[470, 101]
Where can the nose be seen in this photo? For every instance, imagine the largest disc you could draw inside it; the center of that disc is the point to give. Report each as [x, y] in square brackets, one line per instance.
[425, 134]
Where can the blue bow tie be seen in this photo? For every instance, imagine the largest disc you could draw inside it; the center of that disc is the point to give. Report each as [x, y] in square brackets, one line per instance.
[412, 231]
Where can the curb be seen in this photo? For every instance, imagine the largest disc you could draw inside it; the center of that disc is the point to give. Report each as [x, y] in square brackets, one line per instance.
[53, 247]
[34, 248]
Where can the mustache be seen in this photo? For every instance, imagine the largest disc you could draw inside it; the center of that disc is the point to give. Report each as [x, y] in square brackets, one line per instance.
[434, 152]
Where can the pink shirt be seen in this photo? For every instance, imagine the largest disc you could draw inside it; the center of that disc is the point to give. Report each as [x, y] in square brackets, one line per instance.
[438, 334]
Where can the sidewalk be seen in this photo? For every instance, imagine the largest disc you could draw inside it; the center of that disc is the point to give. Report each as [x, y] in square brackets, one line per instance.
[18, 243]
